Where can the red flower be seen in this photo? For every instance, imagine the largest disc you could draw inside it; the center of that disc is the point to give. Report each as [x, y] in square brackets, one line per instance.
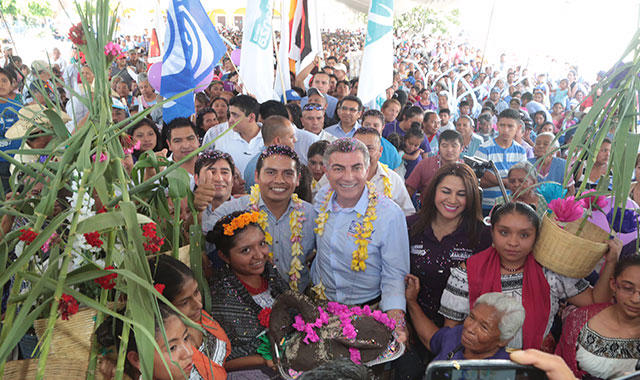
[107, 282]
[102, 210]
[76, 34]
[68, 306]
[28, 235]
[149, 230]
[159, 288]
[264, 317]
[93, 239]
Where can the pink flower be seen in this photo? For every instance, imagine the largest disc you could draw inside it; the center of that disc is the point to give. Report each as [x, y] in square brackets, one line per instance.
[135, 146]
[103, 157]
[348, 330]
[299, 323]
[357, 310]
[311, 334]
[367, 310]
[600, 201]
[112, 50]
[47, 244]
[354, 355]
[324, 317]
[567, 210]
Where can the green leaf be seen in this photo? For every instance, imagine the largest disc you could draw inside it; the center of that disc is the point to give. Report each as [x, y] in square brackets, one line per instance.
[179, 183]
[107, 220]
[58, 126]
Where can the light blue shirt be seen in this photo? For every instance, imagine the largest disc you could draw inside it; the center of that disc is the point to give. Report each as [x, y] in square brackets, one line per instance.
[388, 261]
[337, 131]
[504, 159]
[279, 230]
[473, 146]
[249, 172]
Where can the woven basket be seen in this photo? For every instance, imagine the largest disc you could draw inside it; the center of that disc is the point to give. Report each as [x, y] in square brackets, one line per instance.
[71, 338]
[567, 254]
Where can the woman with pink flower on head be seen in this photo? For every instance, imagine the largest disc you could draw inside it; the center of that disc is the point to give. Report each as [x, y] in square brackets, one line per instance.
[509, 267]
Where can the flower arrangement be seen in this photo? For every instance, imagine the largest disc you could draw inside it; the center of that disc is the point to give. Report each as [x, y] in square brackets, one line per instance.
[240, 222]
[345, 315]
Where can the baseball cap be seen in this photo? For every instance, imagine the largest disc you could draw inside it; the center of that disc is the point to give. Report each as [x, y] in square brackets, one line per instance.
[411, 80]
[340, 66]
[292, 96]
[314, 91]
[495, 89]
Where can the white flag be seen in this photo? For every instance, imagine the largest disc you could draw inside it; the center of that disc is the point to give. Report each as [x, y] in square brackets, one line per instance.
[282, 72]
[376, 73]
[256, 59]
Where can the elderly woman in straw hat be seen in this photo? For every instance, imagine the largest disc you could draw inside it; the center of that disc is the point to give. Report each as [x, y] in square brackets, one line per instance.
[35, 128]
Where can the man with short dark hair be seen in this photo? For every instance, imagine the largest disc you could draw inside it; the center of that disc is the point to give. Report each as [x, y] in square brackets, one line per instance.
[320, 81]
[313, 121]
[450, 145]
[349, 111]
[504, 152]
[181, 141]
[245, 140]
[445, 120]
[277, 175]
[390, 156]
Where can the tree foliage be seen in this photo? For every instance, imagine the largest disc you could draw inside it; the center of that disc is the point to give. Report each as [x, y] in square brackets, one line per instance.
[28, 11]
[422, 19]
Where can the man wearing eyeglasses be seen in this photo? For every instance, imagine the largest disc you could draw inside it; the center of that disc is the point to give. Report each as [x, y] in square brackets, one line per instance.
[313, 121]
[349, 111]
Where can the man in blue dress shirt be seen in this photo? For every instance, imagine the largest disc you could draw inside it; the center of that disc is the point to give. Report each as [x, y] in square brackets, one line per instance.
[350, 110]
[382, 278]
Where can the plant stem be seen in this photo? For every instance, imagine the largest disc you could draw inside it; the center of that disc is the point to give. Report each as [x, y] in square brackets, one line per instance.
[176, 227]
[53, 314]
[104, 293]
[122, 350]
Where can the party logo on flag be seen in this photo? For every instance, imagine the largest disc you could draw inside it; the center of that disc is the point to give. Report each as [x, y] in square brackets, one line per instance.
[380, 20]
[261, 33]
[192, 49]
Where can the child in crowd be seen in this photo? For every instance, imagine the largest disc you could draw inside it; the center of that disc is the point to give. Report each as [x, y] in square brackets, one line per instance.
[411, 152]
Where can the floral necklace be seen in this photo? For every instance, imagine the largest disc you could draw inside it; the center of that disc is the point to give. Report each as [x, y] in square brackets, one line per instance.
[363, 230]
[296, 219]
[386, 182]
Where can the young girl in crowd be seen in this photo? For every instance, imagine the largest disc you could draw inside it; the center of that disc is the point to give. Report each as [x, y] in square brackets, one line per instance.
[509, 267]
[241, 289]
[411, 152]
[603, 340]
[146, 132]
[177, 350]
[211, 347]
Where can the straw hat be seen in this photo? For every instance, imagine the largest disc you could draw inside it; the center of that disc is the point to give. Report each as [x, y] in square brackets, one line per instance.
[32, 116]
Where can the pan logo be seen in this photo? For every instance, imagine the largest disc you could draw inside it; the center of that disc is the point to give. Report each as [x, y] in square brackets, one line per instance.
[380, 20]
[261, 33]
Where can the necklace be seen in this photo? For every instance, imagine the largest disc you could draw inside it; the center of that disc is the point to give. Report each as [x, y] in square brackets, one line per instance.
[363, 229]
[296, 219]
[254, 291]
[511, 270]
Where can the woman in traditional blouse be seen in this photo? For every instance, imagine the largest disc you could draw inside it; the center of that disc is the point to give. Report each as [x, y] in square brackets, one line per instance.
[508, 266]
[241, 289]
[447, 230]
[603, 340]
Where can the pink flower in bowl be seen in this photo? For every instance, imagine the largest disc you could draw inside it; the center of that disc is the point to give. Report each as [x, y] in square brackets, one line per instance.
[567, 210]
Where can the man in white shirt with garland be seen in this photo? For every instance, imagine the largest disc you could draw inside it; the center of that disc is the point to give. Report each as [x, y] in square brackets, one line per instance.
[361, 237]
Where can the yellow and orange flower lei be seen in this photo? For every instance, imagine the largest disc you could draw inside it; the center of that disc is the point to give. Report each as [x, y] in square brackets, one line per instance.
[296, 219]
[363, 229]
[386, 182]
[239, 222]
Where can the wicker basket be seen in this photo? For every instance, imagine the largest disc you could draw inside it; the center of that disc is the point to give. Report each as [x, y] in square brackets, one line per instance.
[567, 254]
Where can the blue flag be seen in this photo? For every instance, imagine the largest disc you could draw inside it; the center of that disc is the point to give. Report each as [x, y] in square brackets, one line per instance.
[192, 48]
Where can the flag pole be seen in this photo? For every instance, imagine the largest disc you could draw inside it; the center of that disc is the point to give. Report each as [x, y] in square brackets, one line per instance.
[277, 50]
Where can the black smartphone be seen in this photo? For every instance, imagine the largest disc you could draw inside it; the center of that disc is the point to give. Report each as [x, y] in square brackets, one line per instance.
[482, 370]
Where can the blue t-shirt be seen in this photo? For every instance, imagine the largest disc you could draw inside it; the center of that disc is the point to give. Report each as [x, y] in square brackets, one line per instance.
[448, 339]
[8, 117]
[390, 156]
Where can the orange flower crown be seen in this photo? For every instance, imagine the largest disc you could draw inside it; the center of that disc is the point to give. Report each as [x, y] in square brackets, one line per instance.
[240, 222]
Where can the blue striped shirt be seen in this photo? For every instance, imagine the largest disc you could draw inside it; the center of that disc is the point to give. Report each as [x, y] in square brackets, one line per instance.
[504, 159]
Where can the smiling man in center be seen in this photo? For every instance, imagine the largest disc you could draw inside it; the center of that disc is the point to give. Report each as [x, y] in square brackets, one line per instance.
[363, 247]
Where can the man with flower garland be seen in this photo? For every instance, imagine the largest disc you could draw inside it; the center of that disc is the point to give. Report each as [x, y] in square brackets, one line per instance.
[363, 246]
[288, 221]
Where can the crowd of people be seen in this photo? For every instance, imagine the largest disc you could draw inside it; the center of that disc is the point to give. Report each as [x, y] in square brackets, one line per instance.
[364, 206]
